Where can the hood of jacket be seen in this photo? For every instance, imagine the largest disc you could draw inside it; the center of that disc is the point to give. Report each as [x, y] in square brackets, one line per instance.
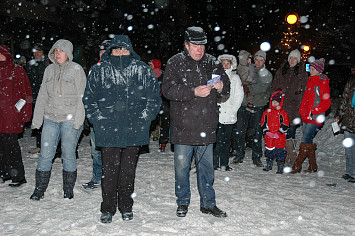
[120, 41]
[243, 57]
[282, 100]
[64, 45]
[4, 50]
[232, 58]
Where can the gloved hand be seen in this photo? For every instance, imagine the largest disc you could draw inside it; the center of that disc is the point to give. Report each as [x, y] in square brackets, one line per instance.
[272, 135]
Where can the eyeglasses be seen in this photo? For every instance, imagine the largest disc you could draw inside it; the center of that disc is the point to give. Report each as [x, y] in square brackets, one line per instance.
[120, 49]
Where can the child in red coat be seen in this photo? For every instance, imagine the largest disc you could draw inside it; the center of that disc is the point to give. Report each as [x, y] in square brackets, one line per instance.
[275, 123]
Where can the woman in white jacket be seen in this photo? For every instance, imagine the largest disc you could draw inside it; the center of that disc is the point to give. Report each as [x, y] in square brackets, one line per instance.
[227, 114]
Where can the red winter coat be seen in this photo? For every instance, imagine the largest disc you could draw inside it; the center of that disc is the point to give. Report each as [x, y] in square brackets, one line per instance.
[14, 85]
[316, 99]
[275, 120]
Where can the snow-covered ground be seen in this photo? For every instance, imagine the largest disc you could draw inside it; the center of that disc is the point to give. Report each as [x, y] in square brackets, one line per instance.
[257, 202]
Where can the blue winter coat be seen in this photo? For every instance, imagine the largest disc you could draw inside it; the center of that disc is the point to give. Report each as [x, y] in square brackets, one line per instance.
[121, 98]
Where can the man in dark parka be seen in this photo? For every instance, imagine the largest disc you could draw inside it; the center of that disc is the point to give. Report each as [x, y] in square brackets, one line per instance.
[121, 99]
[194, 118]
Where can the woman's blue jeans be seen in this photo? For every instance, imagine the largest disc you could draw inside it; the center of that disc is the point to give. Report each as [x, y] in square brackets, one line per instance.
[52, 132]
[308, 132]
[204, 169]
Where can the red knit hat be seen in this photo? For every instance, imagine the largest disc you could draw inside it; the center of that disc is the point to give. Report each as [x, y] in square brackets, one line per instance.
[156, 63]
[277, 97]
[318, 65]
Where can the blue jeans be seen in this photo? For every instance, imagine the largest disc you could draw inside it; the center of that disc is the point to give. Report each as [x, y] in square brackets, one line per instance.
[52, 132]
[308, 132]
[204, 170]
[221, 151]
[244, 117]
[350, 155]
[96, 159]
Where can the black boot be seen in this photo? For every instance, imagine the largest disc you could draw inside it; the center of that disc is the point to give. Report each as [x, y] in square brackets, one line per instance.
[42, 180]
[269, 163]
[69, 179]
[280, 167]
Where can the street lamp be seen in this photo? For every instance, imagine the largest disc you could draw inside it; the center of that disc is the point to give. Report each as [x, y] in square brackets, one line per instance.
[292, 18]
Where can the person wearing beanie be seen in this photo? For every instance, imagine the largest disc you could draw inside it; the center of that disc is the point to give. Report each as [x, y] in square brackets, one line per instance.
[103, 46]
[15, 89]
[251, 111]
[35, 70]
[193, 81]
[227, 114]
[60, 110]
[95, 181]
[315, 102]
[275, 123]
[291, 78]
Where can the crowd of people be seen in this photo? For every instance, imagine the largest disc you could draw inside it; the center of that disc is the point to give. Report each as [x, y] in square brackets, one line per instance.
[203, 105]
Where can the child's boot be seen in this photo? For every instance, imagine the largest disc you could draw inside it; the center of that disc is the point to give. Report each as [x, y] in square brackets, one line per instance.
[269, 163]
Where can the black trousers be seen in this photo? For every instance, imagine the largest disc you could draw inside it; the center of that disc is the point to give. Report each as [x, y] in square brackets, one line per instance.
[118, 175]
[11, 158]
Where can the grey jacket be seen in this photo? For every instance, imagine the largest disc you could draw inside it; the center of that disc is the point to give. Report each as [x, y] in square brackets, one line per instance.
[261, 89]
[60, 96]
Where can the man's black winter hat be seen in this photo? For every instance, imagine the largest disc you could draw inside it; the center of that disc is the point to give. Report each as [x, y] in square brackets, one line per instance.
[38, 46]
[195, 35]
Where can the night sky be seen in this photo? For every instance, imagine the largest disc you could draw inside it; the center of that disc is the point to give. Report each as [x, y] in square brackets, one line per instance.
[156, 27]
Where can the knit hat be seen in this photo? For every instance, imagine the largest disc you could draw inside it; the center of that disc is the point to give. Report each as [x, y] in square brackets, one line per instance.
[318, 65]
[277, 97]
[38, 46]
[156, 63]
[261, 54]
[295, 53]
[104, 45]
[195, 35]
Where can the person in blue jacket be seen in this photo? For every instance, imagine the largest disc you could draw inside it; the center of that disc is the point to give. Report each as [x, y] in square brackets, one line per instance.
[121, 99]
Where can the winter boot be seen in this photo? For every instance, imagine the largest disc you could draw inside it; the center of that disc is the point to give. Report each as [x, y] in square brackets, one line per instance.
[304, 149]
[162, 147]
[42, 180]
[280, 167]
[291, 152]
[269, 163]
[312, 159]
[69, 179]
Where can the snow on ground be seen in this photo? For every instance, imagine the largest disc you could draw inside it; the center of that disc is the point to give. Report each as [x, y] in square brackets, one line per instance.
[257, 202]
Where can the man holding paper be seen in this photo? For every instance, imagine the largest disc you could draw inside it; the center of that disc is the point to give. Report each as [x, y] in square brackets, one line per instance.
[192, 82]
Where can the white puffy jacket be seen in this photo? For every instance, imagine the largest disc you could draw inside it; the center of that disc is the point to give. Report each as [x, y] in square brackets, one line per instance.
[228, 109]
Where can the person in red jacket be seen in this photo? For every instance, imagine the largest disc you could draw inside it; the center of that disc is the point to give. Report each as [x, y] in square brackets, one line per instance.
[275, 124]
[315, 102]
[15, 110]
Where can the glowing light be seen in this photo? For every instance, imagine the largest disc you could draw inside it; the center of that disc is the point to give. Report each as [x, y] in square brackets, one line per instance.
[265, 46]
[291, 18]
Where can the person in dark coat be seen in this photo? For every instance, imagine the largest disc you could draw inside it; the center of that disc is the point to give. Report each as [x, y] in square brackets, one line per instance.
[193, 80]
[346, 115]
[35, 70]
[163, 117]
[15, 110]
[291, 78]
[121, 99]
